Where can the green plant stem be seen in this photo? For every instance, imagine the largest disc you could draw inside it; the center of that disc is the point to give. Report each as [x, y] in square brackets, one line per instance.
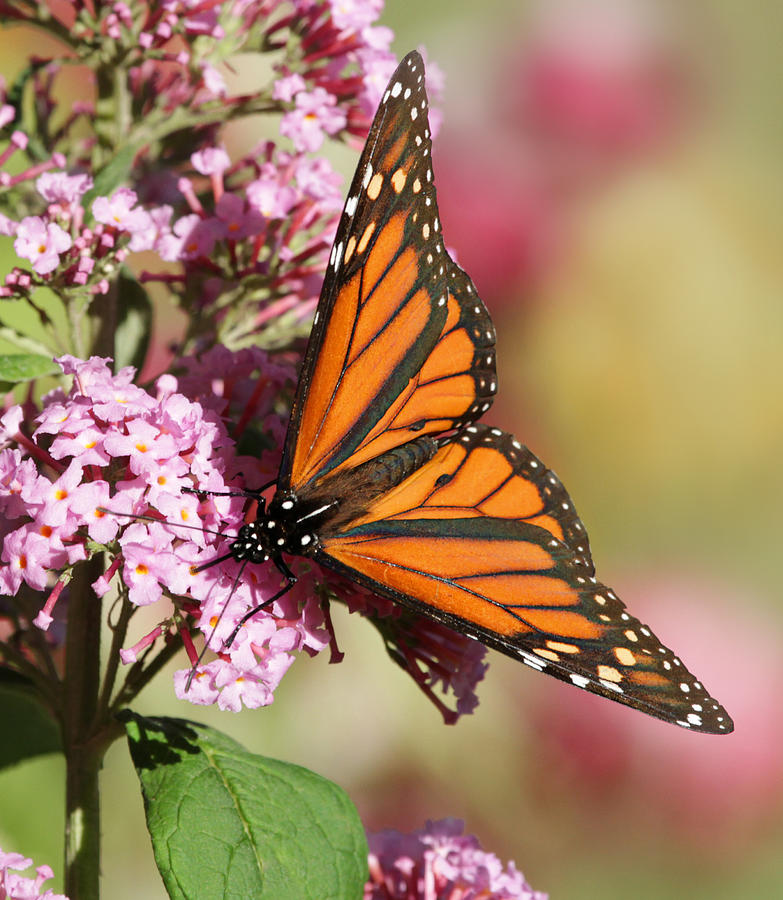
[82, 742]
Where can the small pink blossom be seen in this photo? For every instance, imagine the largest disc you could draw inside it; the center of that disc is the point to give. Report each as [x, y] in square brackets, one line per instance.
[17, 887]
[287, 87]
[316, 115]
[7, 226]
[41, 243]
[439, 861]
[120, 211]
[272, 199]
[57, 187]
[355, 15]
[238, 221]
[214, 82]
[211, 161]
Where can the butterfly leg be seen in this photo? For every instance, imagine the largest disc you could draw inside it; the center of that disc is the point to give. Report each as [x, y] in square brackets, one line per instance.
[255, 493]
[291, 580]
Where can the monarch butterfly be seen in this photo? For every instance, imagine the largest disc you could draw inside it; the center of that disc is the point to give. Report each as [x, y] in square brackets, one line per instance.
[387, 478]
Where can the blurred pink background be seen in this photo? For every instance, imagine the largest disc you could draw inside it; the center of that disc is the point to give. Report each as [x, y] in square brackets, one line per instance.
[609, 174]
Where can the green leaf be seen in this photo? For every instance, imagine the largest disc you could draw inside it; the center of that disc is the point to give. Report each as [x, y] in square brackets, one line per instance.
[16, 367]
[227, 823]
[134, 310]
[112, 175]
[28, 727]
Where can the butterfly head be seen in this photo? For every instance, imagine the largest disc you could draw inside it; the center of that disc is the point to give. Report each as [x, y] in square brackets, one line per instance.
[253, 543]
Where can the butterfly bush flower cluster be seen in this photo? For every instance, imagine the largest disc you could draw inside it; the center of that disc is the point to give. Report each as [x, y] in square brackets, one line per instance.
[249, 236]
[107, 452]
[439, 861]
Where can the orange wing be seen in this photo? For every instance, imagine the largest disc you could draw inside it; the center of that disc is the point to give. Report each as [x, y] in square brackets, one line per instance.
[401, 344]
[484, 538]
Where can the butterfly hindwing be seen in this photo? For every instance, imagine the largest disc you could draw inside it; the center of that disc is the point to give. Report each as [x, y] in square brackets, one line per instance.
[485, 539]
[401, 345]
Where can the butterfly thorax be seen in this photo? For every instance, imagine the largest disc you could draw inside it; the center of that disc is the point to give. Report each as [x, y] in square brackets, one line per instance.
[294, 521]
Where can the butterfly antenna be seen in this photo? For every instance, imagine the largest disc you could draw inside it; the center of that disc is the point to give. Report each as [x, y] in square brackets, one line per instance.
[146, 518]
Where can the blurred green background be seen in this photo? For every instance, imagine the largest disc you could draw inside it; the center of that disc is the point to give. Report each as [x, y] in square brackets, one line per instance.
[609, 174]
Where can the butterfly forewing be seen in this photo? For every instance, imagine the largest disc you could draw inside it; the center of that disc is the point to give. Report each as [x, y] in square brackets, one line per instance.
[402, 345]
[484, 538]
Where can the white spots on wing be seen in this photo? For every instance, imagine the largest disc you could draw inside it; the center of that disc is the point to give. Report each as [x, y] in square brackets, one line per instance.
[287, 504]
[685, 688]
[338, 255]
[396, 89]
[694, 719]
[538, 664]
[425, 231]
[418, 140]
[430, 257]
[367, 175]
[611, 686]
[351, 204]
[579, 680]
[305, 539]
[416, 186]
[442, 301]
[398, 180]
[414, 113]
[406, 94]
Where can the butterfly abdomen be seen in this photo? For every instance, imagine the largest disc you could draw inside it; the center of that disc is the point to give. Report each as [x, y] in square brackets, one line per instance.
[358, 488]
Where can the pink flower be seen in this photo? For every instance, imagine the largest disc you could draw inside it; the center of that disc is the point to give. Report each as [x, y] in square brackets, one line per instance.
[288, 86]
[120, 211]
[41, 243]
[57, 187]
[354, 15]
[439, 861]
[214, 83]
[7, 226]
[211, 161]
[7, 115]
[272, 199]
[16, 887]
[316, 114]
[238, 221]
